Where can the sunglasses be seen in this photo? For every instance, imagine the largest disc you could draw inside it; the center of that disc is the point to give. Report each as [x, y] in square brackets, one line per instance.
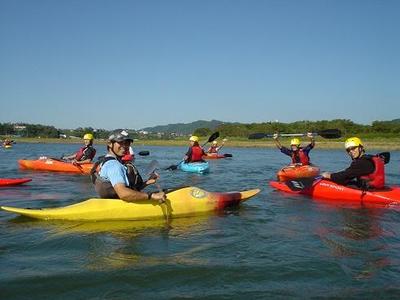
[351, 148]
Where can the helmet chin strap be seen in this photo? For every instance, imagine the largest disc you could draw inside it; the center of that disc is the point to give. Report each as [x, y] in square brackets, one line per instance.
[112, 150]
[360, 152]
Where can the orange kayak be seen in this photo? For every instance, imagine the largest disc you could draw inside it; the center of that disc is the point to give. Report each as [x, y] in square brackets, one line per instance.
[297, 171]
[52, 165]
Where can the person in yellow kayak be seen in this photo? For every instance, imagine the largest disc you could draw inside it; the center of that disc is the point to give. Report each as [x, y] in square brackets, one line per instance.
[115, 179]
[214, 148]
[298, 154]
[85, 154]
[365, 171]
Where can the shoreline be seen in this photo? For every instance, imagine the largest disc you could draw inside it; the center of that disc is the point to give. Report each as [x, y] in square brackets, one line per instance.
[385, 144]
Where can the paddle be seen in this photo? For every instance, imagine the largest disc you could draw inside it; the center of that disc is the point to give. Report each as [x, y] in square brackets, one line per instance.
[301, 184]
[385, 156]
[144, 153]
[227, 155]
[214, 136]
[67, 161]
[327, 134]
[151, 169]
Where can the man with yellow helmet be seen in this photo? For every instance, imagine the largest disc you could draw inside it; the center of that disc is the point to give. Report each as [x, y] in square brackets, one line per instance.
[195, 152]
[298, 154]
[365, 171]
[85, 154]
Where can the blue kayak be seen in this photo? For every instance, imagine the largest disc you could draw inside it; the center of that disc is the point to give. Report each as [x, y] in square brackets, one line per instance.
[195, 167]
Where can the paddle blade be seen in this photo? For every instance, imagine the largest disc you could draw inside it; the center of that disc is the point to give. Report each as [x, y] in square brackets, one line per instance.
[301, 184]
[144, 153]
[228, 155]
[385, 156]
[172, 167]
[330, 133]
[256, 136]
[214, 136]
[152, 167]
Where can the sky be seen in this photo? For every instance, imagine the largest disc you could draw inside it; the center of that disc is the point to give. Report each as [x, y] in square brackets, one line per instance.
[133, 64]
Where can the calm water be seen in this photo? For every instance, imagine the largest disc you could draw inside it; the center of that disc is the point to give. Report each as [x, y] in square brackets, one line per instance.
[273, 246]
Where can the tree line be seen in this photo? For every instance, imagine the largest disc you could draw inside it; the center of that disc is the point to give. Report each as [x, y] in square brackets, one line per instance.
[348, 127]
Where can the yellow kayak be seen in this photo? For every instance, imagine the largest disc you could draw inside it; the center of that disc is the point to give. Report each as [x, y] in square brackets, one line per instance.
[181, 202]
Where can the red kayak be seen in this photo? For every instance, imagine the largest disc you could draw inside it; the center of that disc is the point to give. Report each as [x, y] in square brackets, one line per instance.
[297, 171]
[13, 181]
[328, 190]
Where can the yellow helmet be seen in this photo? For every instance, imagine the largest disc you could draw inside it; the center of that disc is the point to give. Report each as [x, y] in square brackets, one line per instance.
[88, 136]
[295, 142]
[194, 138]
[353, 142]
[215, 142]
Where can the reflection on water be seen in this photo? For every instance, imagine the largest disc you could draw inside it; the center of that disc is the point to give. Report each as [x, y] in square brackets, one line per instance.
[356, 242]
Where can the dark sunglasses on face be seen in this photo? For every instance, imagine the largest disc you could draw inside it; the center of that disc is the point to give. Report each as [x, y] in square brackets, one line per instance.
[351, 148]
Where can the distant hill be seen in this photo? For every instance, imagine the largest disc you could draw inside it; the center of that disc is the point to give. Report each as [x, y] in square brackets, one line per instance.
[181, 128]
[396, 120]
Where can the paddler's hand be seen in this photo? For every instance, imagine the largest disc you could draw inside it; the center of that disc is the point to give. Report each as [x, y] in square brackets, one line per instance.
[275, 136]
[326, 175]
[159, 196]
[153, 178]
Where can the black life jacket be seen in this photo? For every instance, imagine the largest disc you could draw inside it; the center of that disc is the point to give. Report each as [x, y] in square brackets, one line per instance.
[104, 187]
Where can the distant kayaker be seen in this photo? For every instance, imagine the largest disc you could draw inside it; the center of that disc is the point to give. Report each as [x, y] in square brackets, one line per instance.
[121, 180]
[365, 171]
[195, 152]
[84, 154]
[7, 142]
[298, 154]
[214, 148]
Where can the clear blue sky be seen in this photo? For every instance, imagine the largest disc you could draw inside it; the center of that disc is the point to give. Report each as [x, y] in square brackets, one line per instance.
[133, 64]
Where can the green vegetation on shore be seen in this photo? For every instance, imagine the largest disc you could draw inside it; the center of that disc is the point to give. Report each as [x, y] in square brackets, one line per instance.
[379, 135]
[371, 143]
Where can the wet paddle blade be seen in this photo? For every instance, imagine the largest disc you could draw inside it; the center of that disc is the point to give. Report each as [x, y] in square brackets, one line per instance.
[385, 156]
[256, 136]
[144, 153]
[301, 184]
[330, 133]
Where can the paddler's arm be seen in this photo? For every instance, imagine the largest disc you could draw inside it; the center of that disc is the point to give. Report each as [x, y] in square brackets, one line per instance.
[277, 142]
[86, 161]
[312, 141]
[129, 195]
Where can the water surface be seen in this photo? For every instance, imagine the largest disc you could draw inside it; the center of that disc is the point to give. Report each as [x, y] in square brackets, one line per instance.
[273, 246]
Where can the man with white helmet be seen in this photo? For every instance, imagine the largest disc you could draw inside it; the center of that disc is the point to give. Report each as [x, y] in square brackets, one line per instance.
[116, 180]
[365, 171]
[299, 155]
[85, 154]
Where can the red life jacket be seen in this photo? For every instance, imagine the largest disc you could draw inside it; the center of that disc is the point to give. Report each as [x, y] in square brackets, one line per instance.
[377, 178]
[81, 153]
[304, 159]
[197, 154]
[213, 149]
